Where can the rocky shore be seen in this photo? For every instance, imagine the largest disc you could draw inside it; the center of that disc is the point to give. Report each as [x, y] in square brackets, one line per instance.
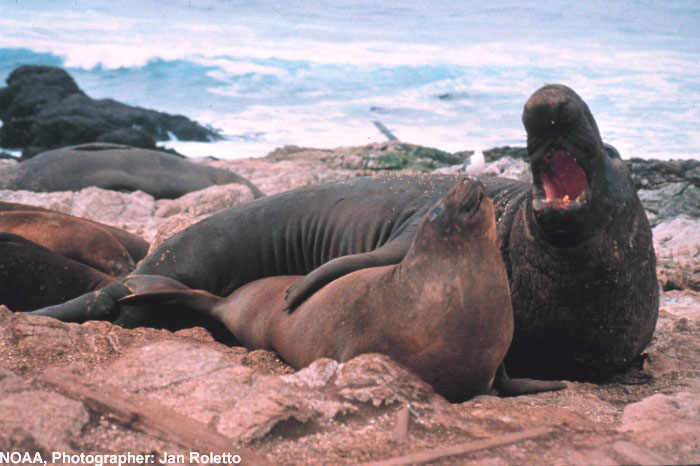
[100, 389]
[43, 108]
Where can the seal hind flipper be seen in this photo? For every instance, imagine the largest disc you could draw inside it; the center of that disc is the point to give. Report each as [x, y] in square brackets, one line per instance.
[175, 309]
[198, 301]
[103, 304]
[96, 305]
[505, 386]
[389, 254]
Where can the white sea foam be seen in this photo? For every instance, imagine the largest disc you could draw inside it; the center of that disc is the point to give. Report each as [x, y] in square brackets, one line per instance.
[113, 39]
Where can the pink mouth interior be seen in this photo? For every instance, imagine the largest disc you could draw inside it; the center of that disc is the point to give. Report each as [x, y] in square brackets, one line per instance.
[564, 179]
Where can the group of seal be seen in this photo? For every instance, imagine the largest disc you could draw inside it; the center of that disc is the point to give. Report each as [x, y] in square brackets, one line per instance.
[72, 237]
[451, 329]
[49, 257]
[576, 246]
[136, 246]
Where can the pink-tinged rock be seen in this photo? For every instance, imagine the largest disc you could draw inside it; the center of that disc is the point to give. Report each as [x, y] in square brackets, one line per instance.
[677, 247]
[659, 410]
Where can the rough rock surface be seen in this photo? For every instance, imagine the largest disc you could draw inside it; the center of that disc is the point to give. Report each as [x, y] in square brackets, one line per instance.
[497, 153]
[7, 164]
[367, 409]
[43, 108]
[391, 155]
[671, 200]
[677, 247]
[652, 174]
[667, 188]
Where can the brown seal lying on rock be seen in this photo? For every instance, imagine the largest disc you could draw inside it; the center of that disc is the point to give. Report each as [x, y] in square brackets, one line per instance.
[576, 245]
[32, 276]
[136, 246]
[116, 167]
[72, 237]
[443, 311]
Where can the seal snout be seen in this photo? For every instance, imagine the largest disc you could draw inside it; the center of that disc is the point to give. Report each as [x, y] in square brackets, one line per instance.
[466, 197]
[460, 204]
[551, 110]
[122, 269]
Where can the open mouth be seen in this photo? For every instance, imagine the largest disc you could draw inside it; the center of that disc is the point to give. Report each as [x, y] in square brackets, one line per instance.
[563, 181]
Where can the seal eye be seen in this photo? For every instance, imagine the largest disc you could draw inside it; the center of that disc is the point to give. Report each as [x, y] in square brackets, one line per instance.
[437, 218]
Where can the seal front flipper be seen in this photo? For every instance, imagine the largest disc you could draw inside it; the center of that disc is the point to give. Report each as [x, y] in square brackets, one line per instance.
[505, 386]
[391, 253]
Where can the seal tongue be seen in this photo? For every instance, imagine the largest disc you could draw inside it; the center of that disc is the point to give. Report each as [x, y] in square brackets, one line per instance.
[564, 179]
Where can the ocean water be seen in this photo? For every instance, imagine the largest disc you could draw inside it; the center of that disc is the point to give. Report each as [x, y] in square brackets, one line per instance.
[446, 74]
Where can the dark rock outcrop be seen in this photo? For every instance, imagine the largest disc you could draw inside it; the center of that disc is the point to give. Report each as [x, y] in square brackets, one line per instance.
[654, 174]
[43, 108]
[667, 188]
[128, 137]
[517, 153]
[372, 158]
